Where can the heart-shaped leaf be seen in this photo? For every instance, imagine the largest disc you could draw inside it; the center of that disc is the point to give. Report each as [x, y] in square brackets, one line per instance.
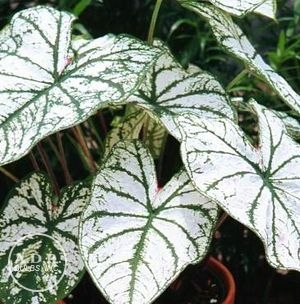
[230, 36]
[136, 239]
[32, 209]
[258, 187]
[240, 8]
[47, 84]
[169, 90]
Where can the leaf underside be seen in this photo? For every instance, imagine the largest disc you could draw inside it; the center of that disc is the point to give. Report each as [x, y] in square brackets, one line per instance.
[135, 122]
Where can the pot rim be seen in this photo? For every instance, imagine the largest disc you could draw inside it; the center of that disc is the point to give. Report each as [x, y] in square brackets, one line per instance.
[222, 272]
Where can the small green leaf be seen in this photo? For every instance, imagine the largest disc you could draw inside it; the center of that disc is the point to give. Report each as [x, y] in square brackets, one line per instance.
[230, 36]
[48, 84]
[81, 6]
[169, 90]
[259, 187]
[31, 208]
[134, 238]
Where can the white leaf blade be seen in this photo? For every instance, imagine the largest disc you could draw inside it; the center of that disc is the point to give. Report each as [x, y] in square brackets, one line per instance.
[47, 85]
[169, 90]
[260, 188]
[143, 238]
[230, 36]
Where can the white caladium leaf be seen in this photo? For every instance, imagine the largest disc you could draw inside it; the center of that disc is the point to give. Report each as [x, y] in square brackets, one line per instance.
[240, 8]
[169, 90]
[260, 187]
[230, 36]
[134, 238]
[47, 84]
[32, 209]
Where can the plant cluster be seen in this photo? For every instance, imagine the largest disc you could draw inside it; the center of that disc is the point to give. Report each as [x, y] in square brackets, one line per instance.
[133, 236]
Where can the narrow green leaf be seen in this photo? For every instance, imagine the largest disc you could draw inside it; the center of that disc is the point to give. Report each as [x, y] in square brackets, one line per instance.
[134, 238]
[169, 90]
[260, 187]
[47, 84]
[230, 36]
[31, 208]
[81, 6]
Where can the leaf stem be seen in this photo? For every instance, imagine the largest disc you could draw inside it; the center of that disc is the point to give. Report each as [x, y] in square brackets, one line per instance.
[153, 21]
[103, 123]
[63, 159]
[34, 162]
[236, 79]
[221, 220]
[46, 162]
[9, 175]
[82, 142]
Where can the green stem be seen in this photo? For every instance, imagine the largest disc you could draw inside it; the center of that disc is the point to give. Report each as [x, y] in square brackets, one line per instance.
[236, 79]
[153, 21]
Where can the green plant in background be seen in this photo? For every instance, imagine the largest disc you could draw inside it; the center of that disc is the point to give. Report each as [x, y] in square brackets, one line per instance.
[134, 237]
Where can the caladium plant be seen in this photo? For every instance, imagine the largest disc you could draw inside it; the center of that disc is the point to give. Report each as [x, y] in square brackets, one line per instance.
[133, 237]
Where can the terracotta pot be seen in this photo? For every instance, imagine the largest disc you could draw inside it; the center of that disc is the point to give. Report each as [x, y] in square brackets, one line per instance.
[61, 302]
[224, 275]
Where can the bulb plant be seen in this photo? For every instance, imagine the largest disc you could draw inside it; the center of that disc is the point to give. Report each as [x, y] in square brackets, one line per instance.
[133, 236]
